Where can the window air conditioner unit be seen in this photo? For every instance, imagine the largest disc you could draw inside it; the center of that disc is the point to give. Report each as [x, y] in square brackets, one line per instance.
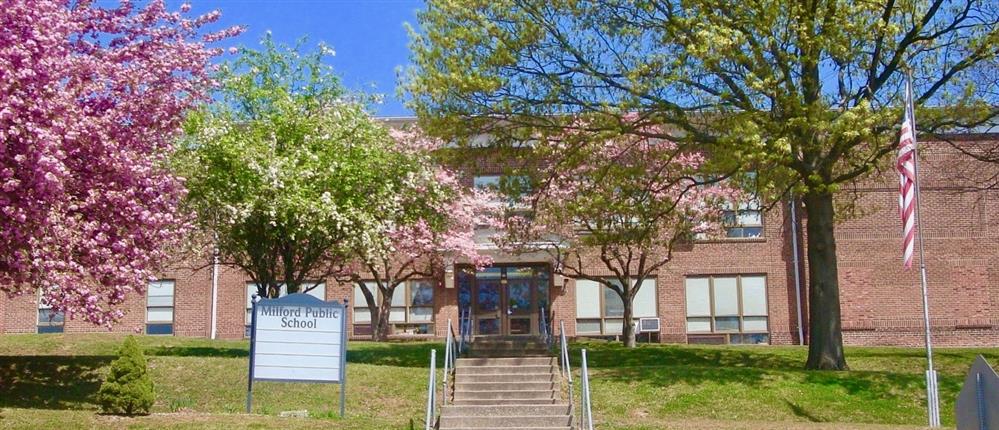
[648, 325]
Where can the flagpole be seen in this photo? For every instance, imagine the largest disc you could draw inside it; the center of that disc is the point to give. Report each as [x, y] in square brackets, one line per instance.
[932, 399]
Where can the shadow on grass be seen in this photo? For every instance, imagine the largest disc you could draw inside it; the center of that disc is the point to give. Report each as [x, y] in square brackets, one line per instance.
[611, 355]
[50, 382]
[799, 411]
[401, 354]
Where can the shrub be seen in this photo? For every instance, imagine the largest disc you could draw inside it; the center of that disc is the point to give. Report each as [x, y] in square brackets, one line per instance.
[127, 389]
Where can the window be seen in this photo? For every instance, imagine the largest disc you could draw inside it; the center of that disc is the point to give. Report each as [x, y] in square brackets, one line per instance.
[319, 292]
[48, 320]
[512, 188]
[744, 222]
[600, 311]
[412, 310]
[727, 309]
[159, 307]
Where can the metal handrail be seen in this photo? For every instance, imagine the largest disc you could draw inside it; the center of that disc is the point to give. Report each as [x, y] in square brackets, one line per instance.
[451, 352]
[586, 405]
[564, 365]
[545, 332]
[432, 391]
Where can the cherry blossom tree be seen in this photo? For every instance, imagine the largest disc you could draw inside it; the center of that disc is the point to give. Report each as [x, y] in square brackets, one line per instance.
[90, 99]
[622, 203]
[432, 225]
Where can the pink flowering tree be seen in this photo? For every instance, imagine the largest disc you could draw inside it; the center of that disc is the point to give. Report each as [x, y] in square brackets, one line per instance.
[90, 100]
[431, 225]
[623, 204]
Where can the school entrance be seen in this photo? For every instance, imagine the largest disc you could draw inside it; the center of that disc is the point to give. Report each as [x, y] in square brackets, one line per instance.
[505, 299]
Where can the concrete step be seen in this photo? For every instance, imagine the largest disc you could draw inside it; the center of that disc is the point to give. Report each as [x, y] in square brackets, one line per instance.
[463, 385]
[504, 410]
[495, 402]
[498, 353]
[512, 377]
[504, 394]
[510, 428]
[502, 370]
[505, 422]
[505, 361]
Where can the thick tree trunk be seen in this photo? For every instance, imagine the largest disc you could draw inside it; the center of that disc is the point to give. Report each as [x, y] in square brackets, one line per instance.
[629, 327]
[380, 327]
[825, 347]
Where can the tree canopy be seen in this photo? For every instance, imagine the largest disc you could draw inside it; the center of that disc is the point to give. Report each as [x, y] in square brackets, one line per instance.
[91, 99]
[805, 93]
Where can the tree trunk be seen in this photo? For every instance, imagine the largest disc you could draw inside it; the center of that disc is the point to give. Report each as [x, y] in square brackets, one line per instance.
[380, 326]
[825, 347]
[629, 327]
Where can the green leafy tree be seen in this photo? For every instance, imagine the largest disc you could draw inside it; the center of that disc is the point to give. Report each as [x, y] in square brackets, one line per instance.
[287, 171]
[127, 389]
[804, 92]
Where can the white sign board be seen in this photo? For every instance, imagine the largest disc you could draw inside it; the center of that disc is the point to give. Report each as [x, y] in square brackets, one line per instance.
[298, 338]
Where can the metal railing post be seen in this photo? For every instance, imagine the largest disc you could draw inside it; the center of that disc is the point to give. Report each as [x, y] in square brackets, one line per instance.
[565, 366]
[447, 357]
[431, 391]
[586, 407]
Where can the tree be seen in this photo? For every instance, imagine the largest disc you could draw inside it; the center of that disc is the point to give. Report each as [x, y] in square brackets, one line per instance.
[432, 225]
[806, 93]
[127, 389]
[627, 204]
[288, 172]
[90, 100]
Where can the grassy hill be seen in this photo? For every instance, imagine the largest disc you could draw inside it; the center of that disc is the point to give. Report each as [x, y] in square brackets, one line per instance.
[50, 381]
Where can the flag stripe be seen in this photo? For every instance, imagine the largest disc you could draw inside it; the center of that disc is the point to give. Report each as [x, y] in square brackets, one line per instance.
[906, 166]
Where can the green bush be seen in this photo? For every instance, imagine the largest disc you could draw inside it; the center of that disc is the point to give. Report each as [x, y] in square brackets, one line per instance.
[127, 389]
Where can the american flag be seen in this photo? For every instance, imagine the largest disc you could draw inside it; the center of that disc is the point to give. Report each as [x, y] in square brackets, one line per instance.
[906, 166]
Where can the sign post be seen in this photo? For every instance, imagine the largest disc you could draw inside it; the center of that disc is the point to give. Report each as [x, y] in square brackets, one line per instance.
[298, 338]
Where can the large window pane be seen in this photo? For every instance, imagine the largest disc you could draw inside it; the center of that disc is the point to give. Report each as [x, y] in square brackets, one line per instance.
[698, 324]
[159, 301]
[613, 305]
[362, 315]
[645, 300]
[727, 324]
[399, 295]
[698, 297]
[754, 324]
[359, 299]
[754, 295]
[587, 326]
[160, 288]
[613, 326]
[587, 299]
[160, 314]
[422, 293]
[397, 315]
[319, 291]
[726, 296]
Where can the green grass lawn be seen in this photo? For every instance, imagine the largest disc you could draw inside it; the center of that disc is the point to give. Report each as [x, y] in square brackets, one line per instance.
[50, 380]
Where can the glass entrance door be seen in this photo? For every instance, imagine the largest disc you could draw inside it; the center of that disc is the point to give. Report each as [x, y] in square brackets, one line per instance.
[505, 300]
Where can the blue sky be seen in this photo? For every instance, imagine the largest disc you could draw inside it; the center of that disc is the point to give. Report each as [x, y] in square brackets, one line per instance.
[367, 35]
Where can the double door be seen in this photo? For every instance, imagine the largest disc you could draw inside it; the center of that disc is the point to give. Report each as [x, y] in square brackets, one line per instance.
[506, 300]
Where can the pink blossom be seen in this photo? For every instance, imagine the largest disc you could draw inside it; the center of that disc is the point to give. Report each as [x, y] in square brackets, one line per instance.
[90, 99]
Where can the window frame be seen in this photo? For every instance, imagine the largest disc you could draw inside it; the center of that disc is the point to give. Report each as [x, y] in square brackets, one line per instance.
[407, 309]
[726, 336]
[162, 327]
[602, 306]
[753, 205]
[48, 325]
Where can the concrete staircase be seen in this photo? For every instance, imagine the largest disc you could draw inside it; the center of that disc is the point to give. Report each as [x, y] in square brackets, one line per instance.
[510, 383]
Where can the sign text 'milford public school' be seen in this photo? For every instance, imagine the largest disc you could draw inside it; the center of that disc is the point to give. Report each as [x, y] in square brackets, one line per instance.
[298, 338]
